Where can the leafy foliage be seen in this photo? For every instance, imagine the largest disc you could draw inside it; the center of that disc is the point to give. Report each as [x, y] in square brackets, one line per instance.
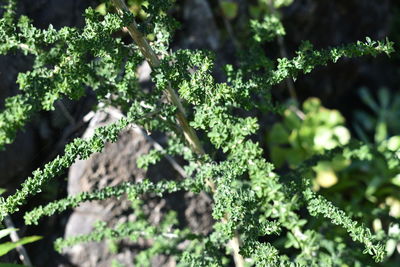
[306, 132]
[258, 211]
[8, 246]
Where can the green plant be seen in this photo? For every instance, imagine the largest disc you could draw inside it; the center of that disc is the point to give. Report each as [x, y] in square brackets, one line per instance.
[365, 187]
[8, 246]
[306, 132]
[16, 243]
[385, 111]
[259, 212]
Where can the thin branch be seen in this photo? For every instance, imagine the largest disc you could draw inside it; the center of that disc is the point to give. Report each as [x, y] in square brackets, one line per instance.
[118, 115]
[189, 133]
[65, 112]
[154, 62]
[229, 29]
[284, 54]
[23, 255]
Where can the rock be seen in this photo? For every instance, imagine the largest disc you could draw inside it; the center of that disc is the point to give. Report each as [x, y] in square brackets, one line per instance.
[116, 164]
[201, 29]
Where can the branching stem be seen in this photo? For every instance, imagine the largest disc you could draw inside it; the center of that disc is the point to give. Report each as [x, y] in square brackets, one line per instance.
[189, 133]
[154, 62]
[284, 54]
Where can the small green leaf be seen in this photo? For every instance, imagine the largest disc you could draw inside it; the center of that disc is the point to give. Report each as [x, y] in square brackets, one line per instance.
[396, 180]
[291, 120]
[101, 9]
[384, 98]
[282, 3]
[381, 132]
[368, 99]
[394, 143]
[254, 11]
[279, 155]
[312, 104]
[278, 134]
[8, 246]
[6, 232]
[230, 9]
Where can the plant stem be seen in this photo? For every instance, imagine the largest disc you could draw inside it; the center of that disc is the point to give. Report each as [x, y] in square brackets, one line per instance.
[154, 62]
[23, 255]
[284, 54]
[229, 29]
[189, 133]
[118, 115]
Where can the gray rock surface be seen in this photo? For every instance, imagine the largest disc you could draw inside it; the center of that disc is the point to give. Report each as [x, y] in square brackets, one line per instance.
[201, 29]
[116, 164]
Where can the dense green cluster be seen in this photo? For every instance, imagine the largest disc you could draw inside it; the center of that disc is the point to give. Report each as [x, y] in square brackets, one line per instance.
[252, 201]
[66, 62]
[132, 190]
[78, 149]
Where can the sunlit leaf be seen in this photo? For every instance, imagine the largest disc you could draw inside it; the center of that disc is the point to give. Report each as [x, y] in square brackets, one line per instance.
[101, 9]
[6, 232]
[8, 246]
[230, 9]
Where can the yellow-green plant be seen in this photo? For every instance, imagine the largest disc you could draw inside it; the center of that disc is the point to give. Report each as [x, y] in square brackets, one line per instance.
[6, 247]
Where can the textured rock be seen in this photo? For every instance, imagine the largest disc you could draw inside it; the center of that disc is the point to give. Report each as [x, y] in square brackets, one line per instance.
[116, 164]
[200, 28]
